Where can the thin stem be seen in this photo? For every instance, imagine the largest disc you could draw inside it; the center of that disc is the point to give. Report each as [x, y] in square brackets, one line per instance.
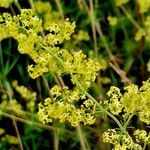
[121, 128]
[98, 105]
[12, 10]
[121, 73]
[145, 143]
[93, 22]
[144, 147]
[93, 25]
[60, 8]
[129, 16]
[79, 131]
[127, 122]
[17, 132]
[32, 5]
[61, 82]
[113, 62]
[97, 26]
[17, 5]
[99, 30]
[31, 122]
[86, 7]
[87, 144]
[56, 139]
[108, 113]
[57, 78]
[54, 55]
[47, 87]
[117, 121]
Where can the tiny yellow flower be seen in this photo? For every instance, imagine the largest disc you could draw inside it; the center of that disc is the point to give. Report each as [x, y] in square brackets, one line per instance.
[112, 20]
[139, 34]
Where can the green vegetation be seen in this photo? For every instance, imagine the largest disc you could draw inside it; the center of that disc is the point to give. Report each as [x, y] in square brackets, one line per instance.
[75, 74]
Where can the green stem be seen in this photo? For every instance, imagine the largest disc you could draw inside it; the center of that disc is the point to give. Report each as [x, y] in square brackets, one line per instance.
[81, 138]
[17, 5]
[145, 143]
[32, 5]
[127, 122]
[60, 8]
[93, 25]
[108, 113]
[17, 132]
[144, 146]
[129, 16]
[56, 139]
[100, 107]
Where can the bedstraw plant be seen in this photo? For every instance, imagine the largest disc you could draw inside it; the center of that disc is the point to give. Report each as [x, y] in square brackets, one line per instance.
[43, 35]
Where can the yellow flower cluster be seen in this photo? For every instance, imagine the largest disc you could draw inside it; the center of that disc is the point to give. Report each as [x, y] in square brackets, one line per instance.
[139, 34]
[114, 103]
[121, 2]
[81, 69]
[49, 16]
[81, 36]
[41, 42]
[64, 107]
[144, 5]
[44, 11]
[120, 141]
[141, 136]
[27, 95]
[10, 139]
[6, 106]
[7, 138]
[134, 101]
[5, 3]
